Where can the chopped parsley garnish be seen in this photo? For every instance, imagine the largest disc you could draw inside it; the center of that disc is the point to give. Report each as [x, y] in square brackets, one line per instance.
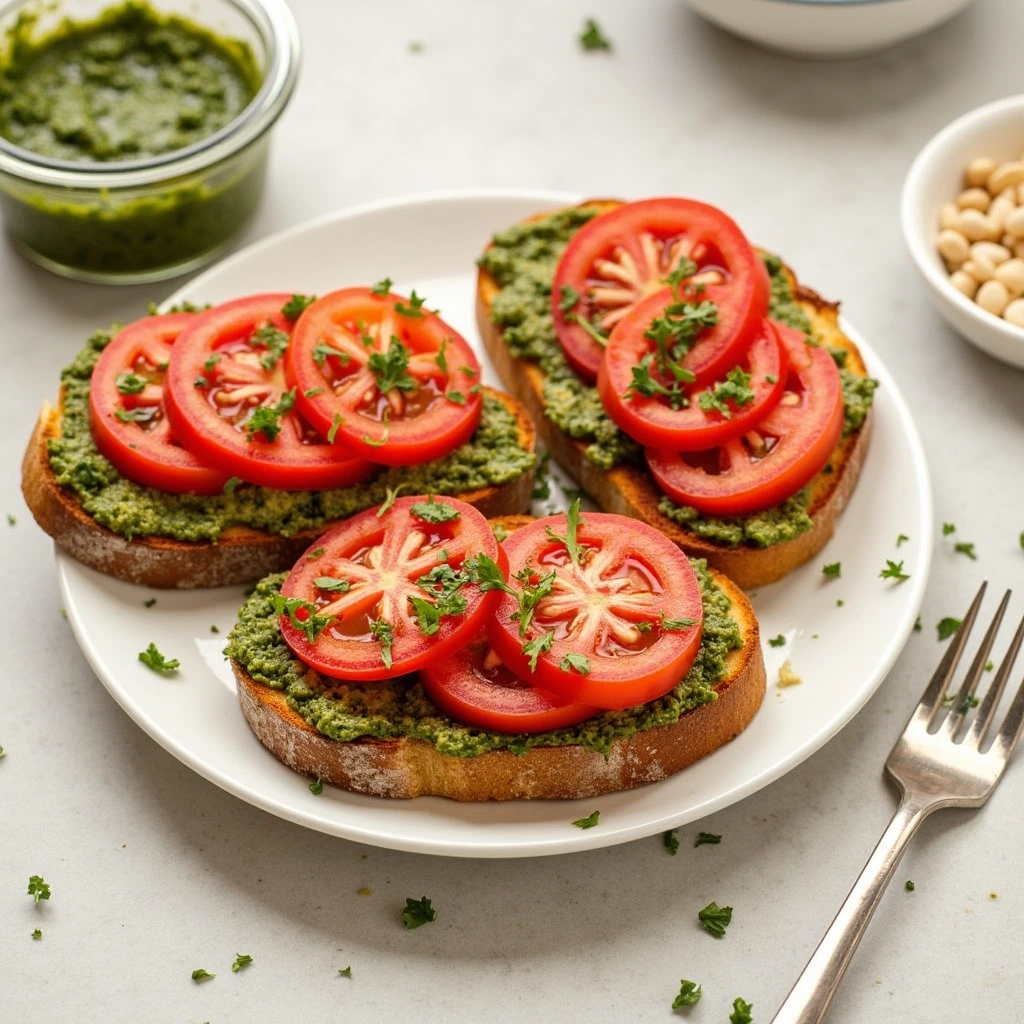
[315, 553]
[37, 934]
[211, 361]
[909, 885]
[302, 615]
[333, 584]
[378, 442]
[296, 305]
[777, 641]
[38, 888]
[576, 663]
[201, 974]
[266, 420]
[671, 625]
[418, 912]
[689, 993]
[384, 634]
[382, 287]
[539, 645]
[901, 539]
[707, 839]
[313, 392]
[963, 548]
[321, 351]
[415, 307]
[390, 494]
[200, 382]
[345, 972]
[970, 701]
[947, 626]
[894, 571]
[130, 383]
[568, 297]
[572, 525]
[735, 388]
[428, 616]
[600, 337]
[441, 359]
[670, 842]
[275, 342]
[243, 959]
[140, 414]
[390, 367]
[715, 919]
[741, 1012]
[456, 396]
[153, 659]
[231, 484]
[833, 570]
[150, 602]
[589, 821]
[332, 433]
[431, 511]
[468, 371]
[592, 38]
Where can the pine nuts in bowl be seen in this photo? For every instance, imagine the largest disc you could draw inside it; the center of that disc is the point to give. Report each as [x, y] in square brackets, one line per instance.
[962, 214]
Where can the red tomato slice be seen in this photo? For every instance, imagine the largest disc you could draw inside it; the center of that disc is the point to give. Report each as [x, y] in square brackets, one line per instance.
[126, 410]
[385, 376]
[226, 400]
[621, 257]
[617, 628]
[475, 688]
[652, 420]
[364, 599]
[774, 458]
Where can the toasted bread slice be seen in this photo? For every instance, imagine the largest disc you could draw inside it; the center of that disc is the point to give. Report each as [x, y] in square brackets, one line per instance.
[630, 490]
[404, 768]
[239, 555]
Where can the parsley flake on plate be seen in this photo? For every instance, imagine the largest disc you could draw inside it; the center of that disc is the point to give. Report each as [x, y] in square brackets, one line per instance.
[12, 520]
[833, 570]
[37, 934]
[38, 888]
[707, 839]
[715, 919]
[201, 974]
[152, 658]
[902, 538]
[777, 641]
[345, 972]
[947, 626]
[241, 960]
[592, 38]
[150, 602]
[670, 842]
[894, 571]
[741, 1012]
[418, 912]
[689, 993]
[909, 885]
[316, 787]
[964, 548]
[589, 821]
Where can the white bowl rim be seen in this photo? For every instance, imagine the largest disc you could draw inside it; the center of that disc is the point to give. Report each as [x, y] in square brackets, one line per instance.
[921, 251]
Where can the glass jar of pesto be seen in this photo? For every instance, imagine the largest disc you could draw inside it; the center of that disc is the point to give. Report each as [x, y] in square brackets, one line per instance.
[134, 133]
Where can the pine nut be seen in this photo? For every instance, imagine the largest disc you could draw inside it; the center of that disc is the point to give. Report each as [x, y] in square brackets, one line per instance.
[1009, 241]
[949, 215]
[1014, 223]
[1011, 275]
[1005, 176]
[992, 251]
[980, 271]
[1014, 312]
[976, 227]
[1002, 206]
[993, 296]
[978, 170]
[953, 246]
[1020, 192]
[974, 199]
[963, 282]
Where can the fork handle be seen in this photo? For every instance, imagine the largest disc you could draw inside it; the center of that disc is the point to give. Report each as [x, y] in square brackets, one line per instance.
[809, 999]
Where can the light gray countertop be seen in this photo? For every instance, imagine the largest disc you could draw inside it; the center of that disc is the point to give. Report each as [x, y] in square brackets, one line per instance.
[156, 871]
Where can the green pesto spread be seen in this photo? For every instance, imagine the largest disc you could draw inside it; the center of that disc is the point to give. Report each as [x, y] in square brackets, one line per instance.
[522, 260]
[493, 456]
[129, 85]
[400, 708]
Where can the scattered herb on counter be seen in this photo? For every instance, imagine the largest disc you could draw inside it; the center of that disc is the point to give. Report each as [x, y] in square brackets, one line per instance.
[707, 839]
[947, 626]
[741, 1012]
[296, 305]
[214, 629]
[963, 548]
[431, 511]
[152, 658]
[418, 912]
[11, 520]
[948, 528]
[901, 539]
[689, 993]
[833, 570]
[150, 602]
[201, 974]
[316, 787]
[345, 972]
[840, 602]
[909, 885]
[670, 842]
[589, 821]
[917, 624]
[38, 888]
[241, 960]
[592, 38]
[777, 641]
[715, 919]
[894, 571]
[37, 934]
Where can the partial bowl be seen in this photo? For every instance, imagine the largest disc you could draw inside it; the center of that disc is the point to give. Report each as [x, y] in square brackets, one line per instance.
[137, 220]
[827, 29]
[936, 177]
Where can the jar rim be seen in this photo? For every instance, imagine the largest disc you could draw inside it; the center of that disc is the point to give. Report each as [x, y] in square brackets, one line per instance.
[276, 25]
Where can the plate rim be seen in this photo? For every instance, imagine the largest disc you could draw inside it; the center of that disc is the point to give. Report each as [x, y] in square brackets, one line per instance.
[578, 840]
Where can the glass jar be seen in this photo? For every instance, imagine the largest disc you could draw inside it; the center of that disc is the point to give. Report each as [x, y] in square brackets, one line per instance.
[148, 219]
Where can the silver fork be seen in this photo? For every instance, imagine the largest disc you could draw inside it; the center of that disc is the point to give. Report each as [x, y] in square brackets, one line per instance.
[939, 761]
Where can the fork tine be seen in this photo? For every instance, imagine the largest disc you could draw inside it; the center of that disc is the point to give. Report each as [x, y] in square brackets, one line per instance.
[955, 719]
[1013, 724]
[983, 722]
[931, 699]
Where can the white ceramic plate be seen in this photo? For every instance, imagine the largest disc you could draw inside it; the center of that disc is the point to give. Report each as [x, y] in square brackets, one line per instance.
[842, 653]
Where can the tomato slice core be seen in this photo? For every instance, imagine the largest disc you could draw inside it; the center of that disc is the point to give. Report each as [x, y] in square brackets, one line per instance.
[619, 627]
[127, 413]
[367, 596]
[475, 688]
[622, 257]
[777, 456]
[695, 424]
[386, 377]
[228, 403]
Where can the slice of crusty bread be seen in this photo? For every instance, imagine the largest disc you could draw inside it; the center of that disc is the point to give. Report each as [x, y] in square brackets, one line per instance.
[240, 555]
[630, 490]
[404, 768]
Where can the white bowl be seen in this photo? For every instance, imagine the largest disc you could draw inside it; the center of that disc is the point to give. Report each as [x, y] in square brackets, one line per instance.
[825, 29]
[936, 177]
